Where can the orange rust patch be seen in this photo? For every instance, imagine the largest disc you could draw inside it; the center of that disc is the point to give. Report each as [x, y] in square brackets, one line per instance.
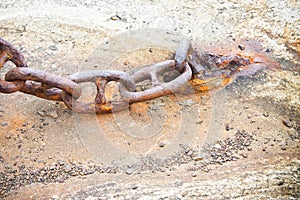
[201, 85]
[252, 50]
[227, 81]
[140, 110]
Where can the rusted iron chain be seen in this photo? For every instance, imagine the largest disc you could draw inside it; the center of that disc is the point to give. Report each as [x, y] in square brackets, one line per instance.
[190, 66]
[53, 87]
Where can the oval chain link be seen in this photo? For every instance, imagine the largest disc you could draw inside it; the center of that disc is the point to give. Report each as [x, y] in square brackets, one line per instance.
[159, 88]
[9, 53]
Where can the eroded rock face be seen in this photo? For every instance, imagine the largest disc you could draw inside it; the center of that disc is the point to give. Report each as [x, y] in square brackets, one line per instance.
[36, 148]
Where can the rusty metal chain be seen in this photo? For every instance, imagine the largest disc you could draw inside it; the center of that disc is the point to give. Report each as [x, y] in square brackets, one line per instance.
[52, 87]
[166, 78]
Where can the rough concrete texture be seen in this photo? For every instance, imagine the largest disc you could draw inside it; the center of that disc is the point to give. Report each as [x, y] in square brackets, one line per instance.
[239, 142]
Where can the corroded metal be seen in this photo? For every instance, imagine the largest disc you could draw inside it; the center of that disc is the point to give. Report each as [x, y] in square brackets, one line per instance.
[9, 53]
[181, 54]
[222, 65]
[203, 70]
[100, 104]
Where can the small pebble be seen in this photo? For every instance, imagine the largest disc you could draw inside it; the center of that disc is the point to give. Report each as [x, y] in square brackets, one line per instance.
[199, 122]
[227, 127]
[60, 179]
[41, 113]
[8, 136]
[241, 47]
[265, 114]
[287, 123]
[134, 186]
[53, 48]
[53, 114]
[4, 124]
[244, 155]
[280, 183]
[189, 152]
[45, 123]
[60, 162]
[161, 144]
[129, 171]
[184, 194]
[198, 158]
[68, 168]
[115, 17]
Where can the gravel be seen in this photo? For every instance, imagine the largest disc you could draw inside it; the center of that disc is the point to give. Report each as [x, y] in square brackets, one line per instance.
[218, 153]
[4, 124]
[287, 122]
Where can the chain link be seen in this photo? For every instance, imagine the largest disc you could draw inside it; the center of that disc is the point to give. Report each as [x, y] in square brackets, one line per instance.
[166, 78]
[9, 53]
[159, 88]
[45, 83]
[100, 78]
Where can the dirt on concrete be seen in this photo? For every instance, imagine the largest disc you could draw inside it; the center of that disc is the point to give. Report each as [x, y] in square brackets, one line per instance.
[241, 141]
